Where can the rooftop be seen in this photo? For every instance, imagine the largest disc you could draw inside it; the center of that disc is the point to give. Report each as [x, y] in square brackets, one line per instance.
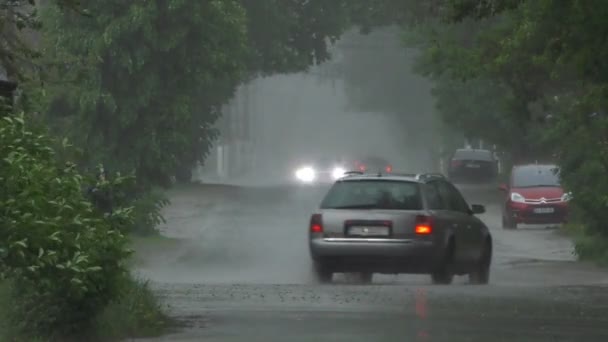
[411, 177]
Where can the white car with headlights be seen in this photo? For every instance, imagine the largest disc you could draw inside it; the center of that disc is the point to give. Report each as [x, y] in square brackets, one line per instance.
[320, 172]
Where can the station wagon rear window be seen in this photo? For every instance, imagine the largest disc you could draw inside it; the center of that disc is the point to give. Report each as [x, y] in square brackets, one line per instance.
[473, 155]
[374, 194]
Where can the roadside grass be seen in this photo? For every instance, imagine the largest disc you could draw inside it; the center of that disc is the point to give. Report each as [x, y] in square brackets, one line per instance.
[137, 313]
[7, 332]
[588, 247]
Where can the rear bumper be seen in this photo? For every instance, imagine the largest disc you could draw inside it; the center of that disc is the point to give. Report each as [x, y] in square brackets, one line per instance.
[524, 214]
[376, 255]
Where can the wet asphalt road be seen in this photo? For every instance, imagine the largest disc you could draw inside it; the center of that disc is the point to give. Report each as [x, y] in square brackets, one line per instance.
[241, 272]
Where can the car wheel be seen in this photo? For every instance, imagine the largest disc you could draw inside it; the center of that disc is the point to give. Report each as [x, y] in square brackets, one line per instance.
[508, 223]
[366, 277]
[481, 274]
[443, 274]
[322, 274]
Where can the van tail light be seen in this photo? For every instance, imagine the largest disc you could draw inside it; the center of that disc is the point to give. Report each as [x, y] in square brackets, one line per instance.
[424, 225]
[316, 223]
[389, 169]
[362, 168]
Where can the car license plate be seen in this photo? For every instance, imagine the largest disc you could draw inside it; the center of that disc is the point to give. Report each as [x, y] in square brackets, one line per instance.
[368, 231]
[474, 166]
[544, 210]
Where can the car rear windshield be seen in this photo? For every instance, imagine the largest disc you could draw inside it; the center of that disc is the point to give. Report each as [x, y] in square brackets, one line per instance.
[374, 161]
[374, 194]
[473, 155]
[535, 176]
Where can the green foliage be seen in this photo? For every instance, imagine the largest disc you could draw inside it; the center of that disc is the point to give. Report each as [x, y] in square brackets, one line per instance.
[477, 92]
[19, 19]
[136, 313]
[588, 246]
[147, 211]
[458, 10]
[592, 247]
[290, 36]
[66, 257]
[139, 85]
[533, 58]
[15, 54]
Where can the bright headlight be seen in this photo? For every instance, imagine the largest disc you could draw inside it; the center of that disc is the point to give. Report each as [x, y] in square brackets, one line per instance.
[566, 197]
[306, 174]
[338, 172]
[515, 197]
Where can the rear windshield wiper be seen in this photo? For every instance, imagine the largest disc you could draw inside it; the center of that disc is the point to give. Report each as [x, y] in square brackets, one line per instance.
[540, 186]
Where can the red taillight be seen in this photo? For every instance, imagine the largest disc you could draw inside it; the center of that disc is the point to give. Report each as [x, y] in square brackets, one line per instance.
[456, 163]
[424, 225]
[316, 223]
[362, 168]
[389, 169]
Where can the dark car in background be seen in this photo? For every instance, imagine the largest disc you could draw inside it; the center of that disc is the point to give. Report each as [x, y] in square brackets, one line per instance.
[534, 195]
[473, 165]
[419, 224]
[372, 164]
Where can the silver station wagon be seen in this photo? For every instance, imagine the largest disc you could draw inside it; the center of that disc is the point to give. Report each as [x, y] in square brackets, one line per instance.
[393, 224]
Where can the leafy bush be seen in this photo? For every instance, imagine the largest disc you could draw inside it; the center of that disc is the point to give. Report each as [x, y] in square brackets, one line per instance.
[592, 248]
[146, 204]
[66, 259]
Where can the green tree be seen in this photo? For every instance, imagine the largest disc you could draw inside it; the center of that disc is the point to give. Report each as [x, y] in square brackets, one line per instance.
[553, 52]
[290, 36]
[139, 85]
[142, 84]
[476, 87]
[18, 21]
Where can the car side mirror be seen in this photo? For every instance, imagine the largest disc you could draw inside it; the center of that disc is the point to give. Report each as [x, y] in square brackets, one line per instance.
[478, 209]
[503, 187]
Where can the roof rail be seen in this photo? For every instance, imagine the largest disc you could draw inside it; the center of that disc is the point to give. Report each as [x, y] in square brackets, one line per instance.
[430, 175]
[350, 173]
[402, 174]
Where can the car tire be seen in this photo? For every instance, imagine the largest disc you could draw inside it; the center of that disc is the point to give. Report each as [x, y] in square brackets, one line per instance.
[508, 223]
[322, 274]
[481, 274]
[366, 277]
[443, 275]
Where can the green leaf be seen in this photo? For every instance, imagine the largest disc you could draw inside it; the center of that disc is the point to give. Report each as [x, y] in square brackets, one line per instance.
[22, 243]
